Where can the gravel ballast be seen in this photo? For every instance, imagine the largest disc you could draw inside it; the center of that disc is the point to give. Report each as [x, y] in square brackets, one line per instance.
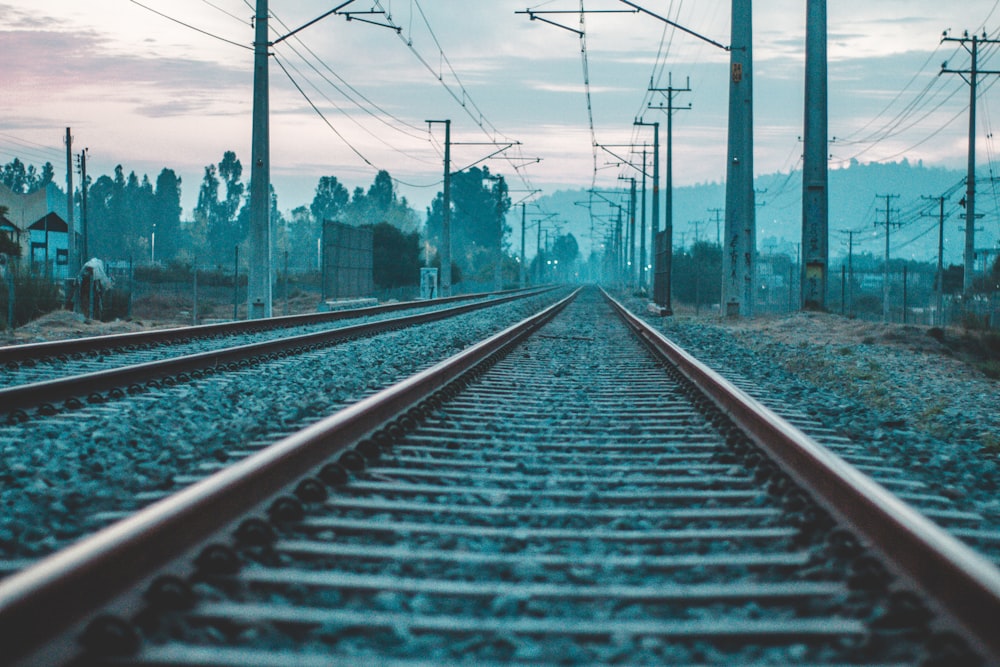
[57, 473]
[896, 390]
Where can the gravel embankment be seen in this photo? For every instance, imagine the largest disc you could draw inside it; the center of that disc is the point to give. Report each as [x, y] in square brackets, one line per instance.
[57, 472]
[892, 388]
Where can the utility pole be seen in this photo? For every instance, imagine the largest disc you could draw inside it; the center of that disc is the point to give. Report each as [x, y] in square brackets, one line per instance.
[939, 292]
[631, 224]
[663, 288]
[501, 188]
[850, 268]
[741, 228]
[815, 197]
[642, 226]
[521, 275]
[82, 159]
[261, 268]
[971, 77]
[885, 270]
[445, 252]
[655, 227]
[72, 259]
[718, 226]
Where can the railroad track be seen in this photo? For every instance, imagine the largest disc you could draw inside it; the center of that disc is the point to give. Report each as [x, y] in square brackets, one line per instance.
[61, 375]
[563, 497]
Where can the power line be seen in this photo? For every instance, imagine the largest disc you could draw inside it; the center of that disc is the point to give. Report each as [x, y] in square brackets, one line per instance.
[188, 25]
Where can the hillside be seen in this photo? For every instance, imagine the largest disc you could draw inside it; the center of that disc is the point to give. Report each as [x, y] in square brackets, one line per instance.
[854, 205]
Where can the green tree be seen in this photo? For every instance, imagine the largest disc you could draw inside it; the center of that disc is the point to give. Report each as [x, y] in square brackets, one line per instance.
[330, 199]
[479, 204]
[166, 214]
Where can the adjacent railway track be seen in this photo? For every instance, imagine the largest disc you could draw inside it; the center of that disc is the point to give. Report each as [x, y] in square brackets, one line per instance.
[234, 345]
[558, 492]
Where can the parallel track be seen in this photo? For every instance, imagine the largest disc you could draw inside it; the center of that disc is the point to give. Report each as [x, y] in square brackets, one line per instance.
[170, 366]
[576, 501]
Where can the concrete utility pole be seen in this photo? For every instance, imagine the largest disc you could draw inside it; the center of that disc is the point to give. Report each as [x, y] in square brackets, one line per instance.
[741, 228]
[815, 197]
[971, 77]
[885, 270]
[261, 269]
[664, 289]
[445, 251]
[72, 259]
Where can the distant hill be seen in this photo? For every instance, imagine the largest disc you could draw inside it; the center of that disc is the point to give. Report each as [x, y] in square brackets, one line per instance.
[854, 205]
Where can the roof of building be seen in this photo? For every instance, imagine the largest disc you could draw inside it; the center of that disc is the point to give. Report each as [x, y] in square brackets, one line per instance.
[52, 222]
[5, 223]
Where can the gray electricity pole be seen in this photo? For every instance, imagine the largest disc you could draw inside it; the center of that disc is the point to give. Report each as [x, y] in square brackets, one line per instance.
[261, 267]
[741, 228]
[444, 252]
[815, 196]
[971, 77]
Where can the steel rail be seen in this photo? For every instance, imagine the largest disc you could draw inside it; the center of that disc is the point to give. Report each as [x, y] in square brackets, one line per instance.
[24, 396]
[55, 348]
[962, 585]
[58, 594]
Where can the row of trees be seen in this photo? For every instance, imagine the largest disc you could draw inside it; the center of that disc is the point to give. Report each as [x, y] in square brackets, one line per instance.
[131, 217]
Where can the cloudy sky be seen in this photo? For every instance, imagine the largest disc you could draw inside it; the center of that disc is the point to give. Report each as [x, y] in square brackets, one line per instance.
[146, 92]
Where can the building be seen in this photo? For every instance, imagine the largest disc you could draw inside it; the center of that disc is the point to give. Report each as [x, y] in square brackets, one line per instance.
[37, 222]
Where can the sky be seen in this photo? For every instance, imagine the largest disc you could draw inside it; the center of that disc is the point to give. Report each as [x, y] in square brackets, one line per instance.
[349, 97]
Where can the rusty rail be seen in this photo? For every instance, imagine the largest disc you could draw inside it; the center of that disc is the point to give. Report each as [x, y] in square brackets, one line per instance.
[55, 348]
[43, 607]
[963, 585]
[21, 397]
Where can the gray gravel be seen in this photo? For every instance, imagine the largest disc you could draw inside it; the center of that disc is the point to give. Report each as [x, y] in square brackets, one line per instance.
[892, 390]
[57, 473]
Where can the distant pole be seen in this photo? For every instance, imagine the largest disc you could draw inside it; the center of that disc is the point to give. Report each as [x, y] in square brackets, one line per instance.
[940, 265]
[194, 306]
[286, 283]
[73, 259]
[83, 207]
[668, 213]
[445, 251]
[261, 265]
[631, 245]
[521, 275]
[971, 77]
[236, 283]
[815, 198]
[642, 226]
[885, 271]
[741, 229]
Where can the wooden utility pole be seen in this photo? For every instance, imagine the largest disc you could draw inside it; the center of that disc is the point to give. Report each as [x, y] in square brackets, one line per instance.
[666, 272]
[885, 271]
[971, 76]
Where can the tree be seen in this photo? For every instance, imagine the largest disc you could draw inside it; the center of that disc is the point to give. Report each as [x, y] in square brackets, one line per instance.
[478, 209]
[166, 214]
[330, 199]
